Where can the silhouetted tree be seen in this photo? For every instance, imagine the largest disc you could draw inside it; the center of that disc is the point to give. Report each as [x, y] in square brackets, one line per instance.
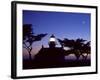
[61, 42]
[86, 50]
[77, 47]
[29, 38]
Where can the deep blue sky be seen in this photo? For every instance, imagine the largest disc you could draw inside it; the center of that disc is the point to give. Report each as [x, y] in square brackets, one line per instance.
[61, 24]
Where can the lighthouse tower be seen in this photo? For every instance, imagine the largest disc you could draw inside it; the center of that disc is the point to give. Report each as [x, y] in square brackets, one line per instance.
[52, 41]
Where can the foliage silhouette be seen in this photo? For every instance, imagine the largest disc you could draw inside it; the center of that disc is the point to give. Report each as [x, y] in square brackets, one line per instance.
[29, 38]
[78, 47]
[86, 49]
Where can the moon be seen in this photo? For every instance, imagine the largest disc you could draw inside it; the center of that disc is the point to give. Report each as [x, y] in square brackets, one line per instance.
[83, 22]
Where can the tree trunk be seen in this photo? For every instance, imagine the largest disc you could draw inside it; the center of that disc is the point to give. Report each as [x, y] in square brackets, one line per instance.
[85, 57]
[77, 57]
[77, 54]
[30, 58]
[29, 51]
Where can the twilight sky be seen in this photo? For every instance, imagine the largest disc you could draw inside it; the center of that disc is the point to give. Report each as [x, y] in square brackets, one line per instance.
[61, 24]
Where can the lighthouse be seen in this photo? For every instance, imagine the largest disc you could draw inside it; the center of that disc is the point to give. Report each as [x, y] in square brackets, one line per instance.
[52, 41]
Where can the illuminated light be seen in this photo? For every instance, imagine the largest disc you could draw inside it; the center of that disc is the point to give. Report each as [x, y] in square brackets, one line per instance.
[52, 40]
